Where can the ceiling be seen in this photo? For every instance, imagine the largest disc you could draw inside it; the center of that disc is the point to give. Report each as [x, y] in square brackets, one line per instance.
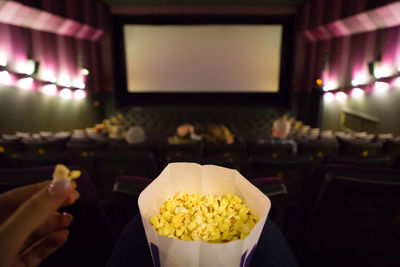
[204, 2]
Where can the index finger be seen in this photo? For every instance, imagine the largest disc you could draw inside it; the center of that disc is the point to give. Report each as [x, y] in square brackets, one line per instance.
[35, 211]
[18, 195]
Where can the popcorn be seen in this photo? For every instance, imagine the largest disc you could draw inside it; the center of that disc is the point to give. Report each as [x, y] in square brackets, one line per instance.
[62, 172]
[213, 219]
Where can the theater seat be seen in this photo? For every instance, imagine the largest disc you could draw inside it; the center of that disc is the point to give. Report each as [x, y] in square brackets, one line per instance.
[392, 148]
[42, 146]
[9, 147]
[126, 191]
[237, 151]
[189, 150]
[292, 169]
[108, 165]
[379, 161]
[81, 148]
[350, 217]
[358, 148]
[271, 150]
[275, 189]
[226, 161]
[91, 236]
[319, 150]
[122, 145]
[31, 160]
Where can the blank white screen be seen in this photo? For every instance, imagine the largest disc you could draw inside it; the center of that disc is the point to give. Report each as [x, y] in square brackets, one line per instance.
[206, 58]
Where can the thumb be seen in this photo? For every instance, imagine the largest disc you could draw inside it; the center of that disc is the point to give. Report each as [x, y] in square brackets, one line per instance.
[34, 212]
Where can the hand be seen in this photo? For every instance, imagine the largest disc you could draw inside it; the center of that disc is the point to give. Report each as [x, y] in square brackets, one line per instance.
[30, 226]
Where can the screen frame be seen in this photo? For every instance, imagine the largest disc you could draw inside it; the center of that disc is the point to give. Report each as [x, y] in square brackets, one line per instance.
[280, 98]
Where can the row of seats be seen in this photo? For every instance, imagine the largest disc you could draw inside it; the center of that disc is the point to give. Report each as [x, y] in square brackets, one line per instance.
[317, 148]
[259, 160]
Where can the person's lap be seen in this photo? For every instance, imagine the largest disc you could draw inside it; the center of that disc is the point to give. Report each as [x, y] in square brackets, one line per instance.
[132, 248]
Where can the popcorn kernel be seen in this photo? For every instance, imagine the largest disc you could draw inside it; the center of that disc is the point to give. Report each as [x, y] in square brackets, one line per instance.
[213, 219]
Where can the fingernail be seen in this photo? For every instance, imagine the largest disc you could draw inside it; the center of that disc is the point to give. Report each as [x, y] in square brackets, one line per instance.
[77, 195]
[59, 188]
[66, 219]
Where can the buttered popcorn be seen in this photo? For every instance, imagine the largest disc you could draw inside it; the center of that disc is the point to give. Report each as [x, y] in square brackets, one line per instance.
[213, 219]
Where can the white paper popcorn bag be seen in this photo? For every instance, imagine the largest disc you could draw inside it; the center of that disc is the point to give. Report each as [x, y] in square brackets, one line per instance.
[193, 178]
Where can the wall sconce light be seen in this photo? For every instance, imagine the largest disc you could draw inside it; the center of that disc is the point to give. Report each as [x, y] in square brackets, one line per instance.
[3, 59]
[341, 96]
[357, 93]
[25, 83]
[381, 87]
[48, 76]
[66, 94]
[359, 79]
[5, 78]
[78, 83]
[64, 80]
[79, 94]
[50, 89]
[85, 71]
[331, 85]
[329, 97]
[28, 67]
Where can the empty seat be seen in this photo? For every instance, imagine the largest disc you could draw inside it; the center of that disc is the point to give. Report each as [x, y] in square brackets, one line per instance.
[125, 195]
[292, 169]
[43, 146]
[91, 234]
[226, 161]
[30, 160]
[275, 189]
[10, 146]
[81, 147]
[190, 150]
[378, 161]
[122, 145]
[319, 150]
[350, 218]
[237, 151]
[359, 148]
[108, 165]
[392, 148]
[271, 150]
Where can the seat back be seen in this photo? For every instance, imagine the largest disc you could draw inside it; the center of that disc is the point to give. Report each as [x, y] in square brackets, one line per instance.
[9, 147]
[378, 161]
[226, 161]
[292, 169]
[392, 148]
[319, 150]
[31, 160]
[108, 165]
[275, 189]
[91, 236]
[237, 151]
[271, 150]
[82, 148]
[359, 148]
[122, 145]
[189, 150]
[125, 195]
[43, 146]
[351, 215]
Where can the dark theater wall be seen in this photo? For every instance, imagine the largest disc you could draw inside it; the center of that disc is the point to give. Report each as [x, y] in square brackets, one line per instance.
[34, 112]
[59, 53]
[340, 57]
